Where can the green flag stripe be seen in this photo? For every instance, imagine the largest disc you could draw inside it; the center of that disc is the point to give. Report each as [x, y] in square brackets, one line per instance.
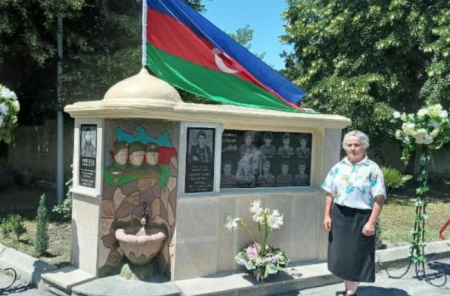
[211, 84]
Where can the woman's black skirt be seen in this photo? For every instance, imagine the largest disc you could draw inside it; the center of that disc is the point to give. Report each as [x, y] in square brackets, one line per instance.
[351, 255]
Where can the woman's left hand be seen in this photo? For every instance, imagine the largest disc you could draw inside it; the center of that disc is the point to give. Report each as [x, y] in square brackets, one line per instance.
[369, 229]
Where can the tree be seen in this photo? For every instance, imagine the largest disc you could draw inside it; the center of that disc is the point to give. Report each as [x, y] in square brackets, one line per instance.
[244, 36]
[102, 45]
[41, 238]
[362, 59]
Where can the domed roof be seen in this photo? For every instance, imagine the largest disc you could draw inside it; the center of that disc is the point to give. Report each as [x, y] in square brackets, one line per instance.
[142, 86]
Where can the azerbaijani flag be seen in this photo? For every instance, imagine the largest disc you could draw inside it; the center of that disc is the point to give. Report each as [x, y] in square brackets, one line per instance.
[186, 50]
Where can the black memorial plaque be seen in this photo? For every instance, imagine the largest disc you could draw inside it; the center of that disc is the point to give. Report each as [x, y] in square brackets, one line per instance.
[200, 160]
[88, 151]
[265, 159]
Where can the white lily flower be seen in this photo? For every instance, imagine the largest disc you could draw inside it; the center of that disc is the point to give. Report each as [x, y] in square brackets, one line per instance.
[258, 217]
[256, 207]
[275, 220]
[232, 224]
[443, 114]
[397, 115]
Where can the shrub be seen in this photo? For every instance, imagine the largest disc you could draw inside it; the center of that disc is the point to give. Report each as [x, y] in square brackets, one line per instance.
[41, 240]
[65, 208]
[13, 225]
[378, 241]
[393, 179]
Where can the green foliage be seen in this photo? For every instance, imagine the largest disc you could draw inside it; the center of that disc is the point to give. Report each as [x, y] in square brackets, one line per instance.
[41, 239]
[64, 210]
[378, 241]
[244, 36]
[102, 46]
[13, 225]
[393, 179]
[362, 59]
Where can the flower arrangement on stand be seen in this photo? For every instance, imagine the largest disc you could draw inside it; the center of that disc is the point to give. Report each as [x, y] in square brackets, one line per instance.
[9, 107]
[258, 256]
[427, 130]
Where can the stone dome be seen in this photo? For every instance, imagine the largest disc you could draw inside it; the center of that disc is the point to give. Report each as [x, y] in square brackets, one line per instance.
[142, 86]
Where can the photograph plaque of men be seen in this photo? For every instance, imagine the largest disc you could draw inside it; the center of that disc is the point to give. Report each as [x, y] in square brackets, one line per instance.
[200, 160]
[88, 153]
[255, 158]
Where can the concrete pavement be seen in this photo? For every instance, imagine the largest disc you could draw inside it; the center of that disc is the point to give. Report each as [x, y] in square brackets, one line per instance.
[385, 286]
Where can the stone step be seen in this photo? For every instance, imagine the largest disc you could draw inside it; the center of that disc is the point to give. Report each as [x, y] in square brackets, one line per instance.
[60, 282]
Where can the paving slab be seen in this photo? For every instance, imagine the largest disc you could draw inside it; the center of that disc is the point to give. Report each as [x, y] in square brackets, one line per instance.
[117, 286]
[29, 269]
[409, 285]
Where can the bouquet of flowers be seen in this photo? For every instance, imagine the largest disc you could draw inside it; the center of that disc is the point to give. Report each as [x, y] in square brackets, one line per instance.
[9, 107]
[259, 257]
[429, 128]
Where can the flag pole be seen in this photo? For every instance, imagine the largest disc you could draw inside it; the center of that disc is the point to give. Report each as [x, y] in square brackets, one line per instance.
[144, 33]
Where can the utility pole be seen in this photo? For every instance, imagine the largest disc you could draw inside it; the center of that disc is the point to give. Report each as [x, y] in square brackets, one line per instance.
[60, 119]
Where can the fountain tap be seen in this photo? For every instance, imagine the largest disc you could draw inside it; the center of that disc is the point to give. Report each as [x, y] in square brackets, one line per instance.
[144, 219]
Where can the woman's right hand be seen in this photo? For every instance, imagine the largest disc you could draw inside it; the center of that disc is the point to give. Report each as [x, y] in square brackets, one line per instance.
[327, 223]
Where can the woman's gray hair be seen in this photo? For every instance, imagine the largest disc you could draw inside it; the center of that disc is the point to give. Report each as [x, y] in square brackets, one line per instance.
[363, 138]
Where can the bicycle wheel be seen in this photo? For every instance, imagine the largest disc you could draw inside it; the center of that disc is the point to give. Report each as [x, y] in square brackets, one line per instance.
[8, 278]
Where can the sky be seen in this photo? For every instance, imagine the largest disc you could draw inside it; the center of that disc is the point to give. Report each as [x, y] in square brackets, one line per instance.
[263, 16]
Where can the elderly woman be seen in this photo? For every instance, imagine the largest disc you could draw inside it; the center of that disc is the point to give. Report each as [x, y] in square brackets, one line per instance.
[355, 196]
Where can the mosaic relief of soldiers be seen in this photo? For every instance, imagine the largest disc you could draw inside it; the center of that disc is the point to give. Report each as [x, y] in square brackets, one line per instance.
[135, 159]
[251, 157]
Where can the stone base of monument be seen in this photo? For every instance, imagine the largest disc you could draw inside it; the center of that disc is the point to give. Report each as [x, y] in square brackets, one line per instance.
[138, 272]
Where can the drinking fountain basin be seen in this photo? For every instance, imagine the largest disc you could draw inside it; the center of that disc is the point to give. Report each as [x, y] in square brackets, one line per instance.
[141, 243]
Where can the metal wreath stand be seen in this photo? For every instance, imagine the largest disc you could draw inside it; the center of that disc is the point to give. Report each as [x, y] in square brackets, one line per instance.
[417, 253]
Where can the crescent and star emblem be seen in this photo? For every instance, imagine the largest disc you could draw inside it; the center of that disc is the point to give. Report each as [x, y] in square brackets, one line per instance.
[222, 59]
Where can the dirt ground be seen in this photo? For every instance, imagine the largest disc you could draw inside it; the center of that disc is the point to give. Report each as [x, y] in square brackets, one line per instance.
[25, 202]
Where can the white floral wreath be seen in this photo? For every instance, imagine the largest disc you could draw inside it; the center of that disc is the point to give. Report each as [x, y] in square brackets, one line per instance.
[9, 107]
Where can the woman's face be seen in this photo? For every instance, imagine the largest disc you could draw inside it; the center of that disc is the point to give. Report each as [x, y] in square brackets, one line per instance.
[354, 149]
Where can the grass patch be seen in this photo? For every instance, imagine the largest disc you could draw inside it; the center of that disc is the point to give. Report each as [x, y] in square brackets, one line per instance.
[397, 217]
